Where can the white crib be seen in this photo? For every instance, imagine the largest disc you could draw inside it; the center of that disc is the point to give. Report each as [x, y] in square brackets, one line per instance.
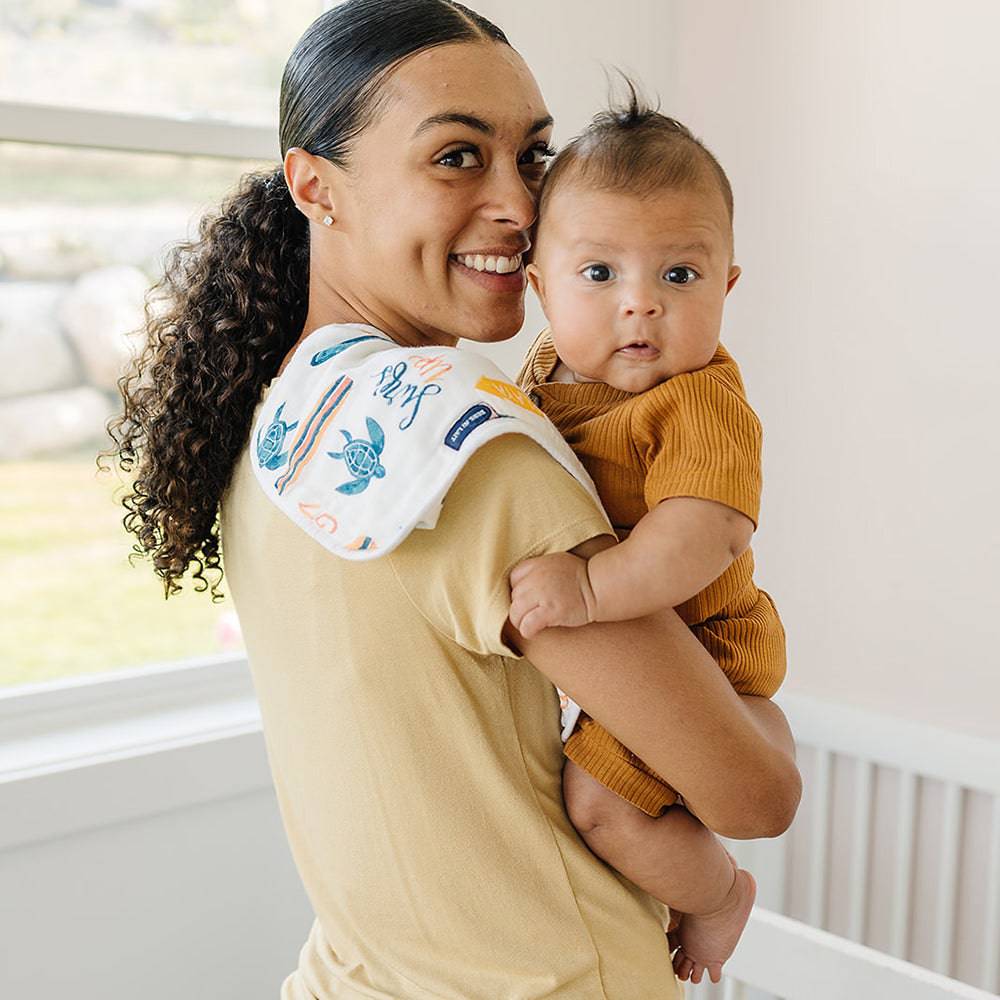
[887, 886]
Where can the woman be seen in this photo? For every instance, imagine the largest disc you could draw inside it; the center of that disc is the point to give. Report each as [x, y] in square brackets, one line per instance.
[416, 758]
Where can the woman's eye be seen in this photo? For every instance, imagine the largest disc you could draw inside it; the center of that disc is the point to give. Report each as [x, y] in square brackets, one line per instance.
[537, 155]
[598, 272]
[460, 158]
[681, 275]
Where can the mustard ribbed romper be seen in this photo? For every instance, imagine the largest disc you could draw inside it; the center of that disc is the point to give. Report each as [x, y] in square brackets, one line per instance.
[694, 435]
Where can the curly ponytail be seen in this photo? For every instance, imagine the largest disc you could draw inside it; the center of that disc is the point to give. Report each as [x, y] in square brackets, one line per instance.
[236, 298]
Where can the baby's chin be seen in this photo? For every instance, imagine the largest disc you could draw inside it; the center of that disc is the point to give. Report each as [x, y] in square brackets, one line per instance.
[627, 381]
[636, 385]
[637, 380]
[625, 375]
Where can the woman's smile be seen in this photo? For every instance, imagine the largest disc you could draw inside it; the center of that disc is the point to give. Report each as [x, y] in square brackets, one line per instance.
[498, 270]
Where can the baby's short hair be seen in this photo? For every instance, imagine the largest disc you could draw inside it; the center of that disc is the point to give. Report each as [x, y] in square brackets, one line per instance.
[634, 149]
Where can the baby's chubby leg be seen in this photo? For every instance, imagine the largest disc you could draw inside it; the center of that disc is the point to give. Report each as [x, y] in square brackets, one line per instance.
[672, 857]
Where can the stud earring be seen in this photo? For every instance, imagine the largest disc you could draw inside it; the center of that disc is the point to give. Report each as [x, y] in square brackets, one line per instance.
[327, 220]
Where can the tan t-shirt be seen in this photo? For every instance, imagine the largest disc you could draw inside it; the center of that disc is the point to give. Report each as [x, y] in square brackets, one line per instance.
[418, 763]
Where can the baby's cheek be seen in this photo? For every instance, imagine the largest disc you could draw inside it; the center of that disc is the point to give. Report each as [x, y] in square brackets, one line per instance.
[593, 361]
[588, 342]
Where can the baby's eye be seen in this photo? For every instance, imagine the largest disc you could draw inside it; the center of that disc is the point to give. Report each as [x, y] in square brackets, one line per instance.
[598, 272]
[460, 158]
[681, 275]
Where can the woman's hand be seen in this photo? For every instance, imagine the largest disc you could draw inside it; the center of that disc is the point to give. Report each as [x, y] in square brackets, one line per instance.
[551, 590]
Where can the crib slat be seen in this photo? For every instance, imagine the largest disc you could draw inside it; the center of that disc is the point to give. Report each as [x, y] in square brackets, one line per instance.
[779, 873]
[991, 925]
[820, 836]
[860, 850]
[732, 989]
[899, 935]
[951, 831]
[768, 860]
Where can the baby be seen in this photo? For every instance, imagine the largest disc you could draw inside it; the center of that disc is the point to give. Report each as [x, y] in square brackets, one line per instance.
[632, 263]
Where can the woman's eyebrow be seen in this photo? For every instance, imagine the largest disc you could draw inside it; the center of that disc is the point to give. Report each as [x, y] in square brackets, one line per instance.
[473, 122]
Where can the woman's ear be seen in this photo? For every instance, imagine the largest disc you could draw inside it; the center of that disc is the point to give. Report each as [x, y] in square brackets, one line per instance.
[734, 273]
[535, 277]
[307, 177]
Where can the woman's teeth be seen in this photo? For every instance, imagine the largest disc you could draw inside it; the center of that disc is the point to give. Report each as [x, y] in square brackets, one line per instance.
[498, 265]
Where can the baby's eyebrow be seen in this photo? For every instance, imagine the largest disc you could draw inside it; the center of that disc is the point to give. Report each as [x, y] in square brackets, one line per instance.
[698, 246]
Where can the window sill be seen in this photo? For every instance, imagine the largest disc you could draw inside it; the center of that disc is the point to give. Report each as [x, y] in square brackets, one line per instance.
[88, 752]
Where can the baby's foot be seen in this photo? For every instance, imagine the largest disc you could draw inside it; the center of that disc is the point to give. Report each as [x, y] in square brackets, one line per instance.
[706, 940]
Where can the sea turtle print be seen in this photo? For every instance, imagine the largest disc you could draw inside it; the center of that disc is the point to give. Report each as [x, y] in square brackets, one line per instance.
[269, 453]
[362, 458]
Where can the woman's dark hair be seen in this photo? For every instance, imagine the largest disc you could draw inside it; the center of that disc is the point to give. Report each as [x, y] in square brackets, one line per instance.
[632, 148]
[233, 301]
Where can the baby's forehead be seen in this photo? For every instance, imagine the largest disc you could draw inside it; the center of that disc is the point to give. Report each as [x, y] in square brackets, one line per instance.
[691, 215]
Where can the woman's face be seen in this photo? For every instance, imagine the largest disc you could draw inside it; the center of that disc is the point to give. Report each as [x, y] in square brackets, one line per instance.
[432, 211]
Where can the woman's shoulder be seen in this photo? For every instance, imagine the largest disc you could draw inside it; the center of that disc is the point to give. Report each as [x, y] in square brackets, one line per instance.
[360, 439]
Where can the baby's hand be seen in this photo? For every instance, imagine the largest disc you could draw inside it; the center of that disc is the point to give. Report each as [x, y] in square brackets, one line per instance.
[551, 590]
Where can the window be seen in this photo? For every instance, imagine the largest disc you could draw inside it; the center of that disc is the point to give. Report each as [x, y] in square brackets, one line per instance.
[217, 58]
[82, 235]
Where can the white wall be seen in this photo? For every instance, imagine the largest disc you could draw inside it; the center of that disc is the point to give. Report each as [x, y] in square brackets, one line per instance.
[201, 903]
[860, 139]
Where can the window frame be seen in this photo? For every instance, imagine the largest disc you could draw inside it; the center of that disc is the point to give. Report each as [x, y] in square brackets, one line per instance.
[178, 135]
[87, 729]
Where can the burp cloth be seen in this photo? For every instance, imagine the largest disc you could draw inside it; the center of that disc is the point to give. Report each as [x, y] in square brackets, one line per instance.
[359, 439]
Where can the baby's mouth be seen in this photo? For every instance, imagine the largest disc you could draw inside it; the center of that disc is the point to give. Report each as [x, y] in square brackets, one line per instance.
[639, 349]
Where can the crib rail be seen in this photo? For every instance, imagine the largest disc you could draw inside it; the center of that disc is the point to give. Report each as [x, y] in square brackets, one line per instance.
[783, 959]
[896, 852]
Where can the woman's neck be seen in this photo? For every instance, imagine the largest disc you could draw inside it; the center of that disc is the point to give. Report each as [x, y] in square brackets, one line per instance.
[329, 305]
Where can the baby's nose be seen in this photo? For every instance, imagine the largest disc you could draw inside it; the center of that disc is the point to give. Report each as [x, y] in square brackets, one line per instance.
[647, 306]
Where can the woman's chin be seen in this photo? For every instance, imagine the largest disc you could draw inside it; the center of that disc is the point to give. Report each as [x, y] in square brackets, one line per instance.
[494, 328]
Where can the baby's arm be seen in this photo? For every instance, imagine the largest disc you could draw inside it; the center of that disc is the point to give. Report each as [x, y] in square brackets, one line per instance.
[675, 551]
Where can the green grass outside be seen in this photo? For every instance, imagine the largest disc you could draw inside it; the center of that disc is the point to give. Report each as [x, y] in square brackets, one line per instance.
[70, 603]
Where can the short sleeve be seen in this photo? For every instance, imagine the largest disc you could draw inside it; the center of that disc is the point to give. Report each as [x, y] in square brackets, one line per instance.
[510, 502]
[699, 437]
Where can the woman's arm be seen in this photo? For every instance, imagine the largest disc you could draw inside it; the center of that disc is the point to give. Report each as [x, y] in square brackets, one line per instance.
[652, 685]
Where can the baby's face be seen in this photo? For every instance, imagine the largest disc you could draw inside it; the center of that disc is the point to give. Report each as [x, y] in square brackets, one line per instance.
[633, 288]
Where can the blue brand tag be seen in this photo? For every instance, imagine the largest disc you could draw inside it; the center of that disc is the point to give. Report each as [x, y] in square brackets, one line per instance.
[467, 423]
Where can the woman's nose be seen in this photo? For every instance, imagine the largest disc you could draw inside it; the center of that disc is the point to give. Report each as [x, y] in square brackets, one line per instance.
[511, 200]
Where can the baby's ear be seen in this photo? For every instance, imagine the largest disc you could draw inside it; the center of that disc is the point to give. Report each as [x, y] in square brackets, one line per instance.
[535, 277]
